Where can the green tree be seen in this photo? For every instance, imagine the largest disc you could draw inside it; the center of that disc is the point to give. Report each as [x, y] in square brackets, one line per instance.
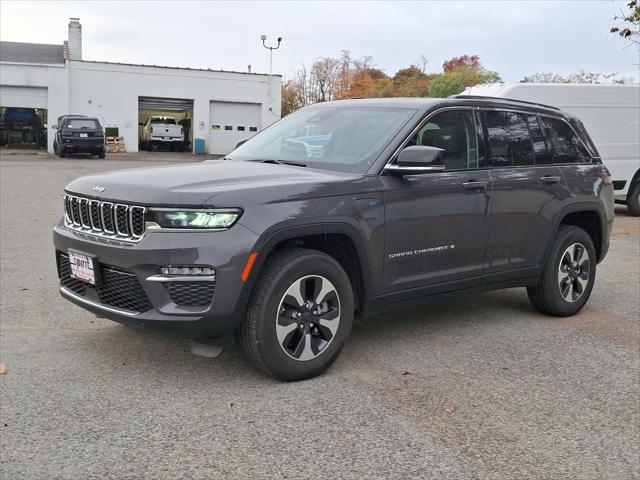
[460, 73]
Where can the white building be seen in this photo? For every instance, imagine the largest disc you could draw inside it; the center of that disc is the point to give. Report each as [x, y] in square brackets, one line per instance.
[220, 106]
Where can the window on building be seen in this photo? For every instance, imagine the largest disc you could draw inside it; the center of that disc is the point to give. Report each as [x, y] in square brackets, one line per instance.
[228, 127]
[564, 144]
[253, 129]
[241, 129]
[454, 131]
[509, 139]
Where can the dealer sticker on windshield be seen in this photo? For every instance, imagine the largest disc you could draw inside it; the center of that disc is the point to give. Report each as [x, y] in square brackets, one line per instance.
[82, 267]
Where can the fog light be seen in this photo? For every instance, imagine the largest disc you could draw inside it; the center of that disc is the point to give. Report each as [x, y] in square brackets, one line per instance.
[187, 271]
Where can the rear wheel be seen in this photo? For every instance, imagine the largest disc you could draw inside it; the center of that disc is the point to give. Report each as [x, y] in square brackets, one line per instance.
[568, 276]
[101, 154]
[299, 316]
[62, 153]
[633, 200]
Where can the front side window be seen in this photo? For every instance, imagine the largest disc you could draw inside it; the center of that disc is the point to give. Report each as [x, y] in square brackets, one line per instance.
[564, 144]
[332, 138]
[508, 138]
[454, 131]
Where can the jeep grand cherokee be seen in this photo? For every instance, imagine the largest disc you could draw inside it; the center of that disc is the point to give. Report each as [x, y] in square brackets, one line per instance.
[342, 209]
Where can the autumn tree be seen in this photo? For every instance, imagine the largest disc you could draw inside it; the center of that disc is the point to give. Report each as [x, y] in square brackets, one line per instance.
[460, 73]
[410, 82]
[291, 97]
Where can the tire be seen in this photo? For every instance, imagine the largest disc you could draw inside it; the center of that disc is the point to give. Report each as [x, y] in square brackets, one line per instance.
[101, 154]
[62, 153]
[633, 200]
[564, 287]
[276, 344]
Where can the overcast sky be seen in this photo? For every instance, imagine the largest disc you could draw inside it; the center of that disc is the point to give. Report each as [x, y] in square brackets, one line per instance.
[514, 38]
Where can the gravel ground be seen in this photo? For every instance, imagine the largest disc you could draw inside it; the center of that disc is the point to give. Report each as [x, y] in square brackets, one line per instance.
[484, 388]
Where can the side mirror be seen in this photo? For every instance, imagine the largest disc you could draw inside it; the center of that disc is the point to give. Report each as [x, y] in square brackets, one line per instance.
[418, 159]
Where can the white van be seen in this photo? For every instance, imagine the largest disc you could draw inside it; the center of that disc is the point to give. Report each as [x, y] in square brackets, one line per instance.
[611, 115]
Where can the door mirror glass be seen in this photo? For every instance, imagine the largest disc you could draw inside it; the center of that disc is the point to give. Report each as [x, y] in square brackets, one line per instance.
[418, 159]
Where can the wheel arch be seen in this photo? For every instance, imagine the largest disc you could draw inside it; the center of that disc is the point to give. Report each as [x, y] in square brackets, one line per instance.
[339, 240]
[591, 219]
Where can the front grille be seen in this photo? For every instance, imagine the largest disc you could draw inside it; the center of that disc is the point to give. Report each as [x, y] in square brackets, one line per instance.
[117, 287]
[190, 294]
[125, 222]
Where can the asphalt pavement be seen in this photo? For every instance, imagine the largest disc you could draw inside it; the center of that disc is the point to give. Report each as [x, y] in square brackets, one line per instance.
[479, 387]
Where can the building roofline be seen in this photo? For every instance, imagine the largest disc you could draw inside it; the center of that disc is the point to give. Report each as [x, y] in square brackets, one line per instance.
[175, 68]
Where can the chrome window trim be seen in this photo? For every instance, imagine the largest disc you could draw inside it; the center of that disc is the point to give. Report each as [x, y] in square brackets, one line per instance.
[395, 154]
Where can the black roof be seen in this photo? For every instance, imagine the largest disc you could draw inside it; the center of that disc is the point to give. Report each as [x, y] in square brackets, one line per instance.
[31, 53]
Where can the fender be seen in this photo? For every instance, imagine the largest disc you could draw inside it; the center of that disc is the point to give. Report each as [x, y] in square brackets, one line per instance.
[269, 239]
[582, 206]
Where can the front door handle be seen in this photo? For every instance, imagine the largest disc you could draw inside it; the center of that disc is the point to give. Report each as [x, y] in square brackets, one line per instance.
[550, 179]
[475, 185]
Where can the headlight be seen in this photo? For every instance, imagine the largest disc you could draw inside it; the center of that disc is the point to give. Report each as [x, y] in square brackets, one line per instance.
[198, 219]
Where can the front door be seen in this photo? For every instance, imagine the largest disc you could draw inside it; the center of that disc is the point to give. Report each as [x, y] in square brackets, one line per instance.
[436, 223]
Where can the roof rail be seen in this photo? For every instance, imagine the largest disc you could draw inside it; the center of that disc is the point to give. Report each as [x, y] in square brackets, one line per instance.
[483, 97]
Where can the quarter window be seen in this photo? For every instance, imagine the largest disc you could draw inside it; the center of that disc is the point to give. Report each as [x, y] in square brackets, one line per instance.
[564, 144]
[509, 140]
[454, 131]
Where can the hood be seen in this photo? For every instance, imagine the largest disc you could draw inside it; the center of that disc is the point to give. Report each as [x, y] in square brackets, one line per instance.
[216, 183]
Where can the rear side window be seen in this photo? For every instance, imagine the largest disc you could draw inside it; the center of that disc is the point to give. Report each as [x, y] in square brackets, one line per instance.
[564, 144]
[455, 132]
[542, 156]
[509, 143]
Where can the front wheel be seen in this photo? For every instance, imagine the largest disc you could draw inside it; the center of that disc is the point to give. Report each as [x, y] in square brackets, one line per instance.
[299, 316]
[568, 276]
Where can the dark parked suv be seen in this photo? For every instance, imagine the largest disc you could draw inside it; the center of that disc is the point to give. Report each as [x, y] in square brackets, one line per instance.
[392, 201]
[79, 134]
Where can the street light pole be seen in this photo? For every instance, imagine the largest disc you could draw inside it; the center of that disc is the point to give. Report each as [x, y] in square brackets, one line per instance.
[271, 49]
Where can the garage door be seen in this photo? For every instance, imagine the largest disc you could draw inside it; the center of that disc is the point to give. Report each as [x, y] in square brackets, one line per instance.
[231, 122]
[25, 97]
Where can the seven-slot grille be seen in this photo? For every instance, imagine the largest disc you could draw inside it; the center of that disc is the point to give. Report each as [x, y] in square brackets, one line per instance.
[104, 218]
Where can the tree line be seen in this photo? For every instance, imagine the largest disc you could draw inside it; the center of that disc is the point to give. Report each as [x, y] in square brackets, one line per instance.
[335, 78]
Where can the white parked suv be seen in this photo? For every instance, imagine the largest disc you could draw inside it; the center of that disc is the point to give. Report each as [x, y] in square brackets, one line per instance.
[162, 132]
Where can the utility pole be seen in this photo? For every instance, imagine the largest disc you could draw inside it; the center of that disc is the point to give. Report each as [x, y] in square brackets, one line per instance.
[271, 49]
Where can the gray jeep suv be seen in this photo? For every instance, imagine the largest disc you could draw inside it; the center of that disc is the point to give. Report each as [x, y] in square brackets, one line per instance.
[342, 210]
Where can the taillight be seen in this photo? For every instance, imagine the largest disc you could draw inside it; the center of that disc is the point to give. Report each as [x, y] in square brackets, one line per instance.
[606, 177]
[151, 130]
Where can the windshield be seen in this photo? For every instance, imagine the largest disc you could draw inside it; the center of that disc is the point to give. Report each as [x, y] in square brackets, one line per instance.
[80, 123]
[330, 138]
[165, 120]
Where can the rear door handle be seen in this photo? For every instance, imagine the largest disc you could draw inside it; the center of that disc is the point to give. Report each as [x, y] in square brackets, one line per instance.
[474, 185]
[550, 179]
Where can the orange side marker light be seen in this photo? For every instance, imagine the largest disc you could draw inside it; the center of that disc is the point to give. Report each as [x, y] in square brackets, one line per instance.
[248, 266]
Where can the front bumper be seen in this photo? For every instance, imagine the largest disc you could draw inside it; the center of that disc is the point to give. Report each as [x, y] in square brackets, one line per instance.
[145, 300]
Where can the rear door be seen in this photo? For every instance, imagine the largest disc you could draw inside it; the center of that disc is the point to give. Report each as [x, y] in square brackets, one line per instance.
[435, 223]
[527, 191]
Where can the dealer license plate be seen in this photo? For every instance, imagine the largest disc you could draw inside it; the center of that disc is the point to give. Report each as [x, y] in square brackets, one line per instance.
[84, 135]
[82, 267]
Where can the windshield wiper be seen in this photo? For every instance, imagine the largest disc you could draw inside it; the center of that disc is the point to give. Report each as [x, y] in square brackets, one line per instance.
[283, 162]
